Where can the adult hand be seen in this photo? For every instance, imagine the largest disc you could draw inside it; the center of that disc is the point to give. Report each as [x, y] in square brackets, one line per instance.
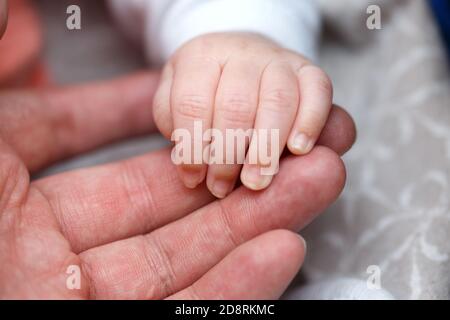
[131, 227]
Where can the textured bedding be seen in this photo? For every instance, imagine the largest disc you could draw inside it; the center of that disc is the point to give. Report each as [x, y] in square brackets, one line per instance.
[393, 220]
[394, 213]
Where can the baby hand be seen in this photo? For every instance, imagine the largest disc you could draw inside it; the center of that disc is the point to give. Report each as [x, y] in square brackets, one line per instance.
[241, 81]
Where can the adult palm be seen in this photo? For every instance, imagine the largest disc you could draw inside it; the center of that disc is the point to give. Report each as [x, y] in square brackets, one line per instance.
[131, 227]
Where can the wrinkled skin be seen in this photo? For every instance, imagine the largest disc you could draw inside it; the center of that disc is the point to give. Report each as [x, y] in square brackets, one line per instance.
[132, 227]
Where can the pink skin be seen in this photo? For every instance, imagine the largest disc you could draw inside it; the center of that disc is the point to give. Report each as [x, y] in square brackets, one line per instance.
[133, 228]
[242, 81]
[3, 16]
[229, 279]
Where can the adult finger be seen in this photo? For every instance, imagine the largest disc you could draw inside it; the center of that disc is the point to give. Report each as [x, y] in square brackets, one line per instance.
[49, 125]
[115, 201]
[274, 258]
[339, 133]
[174, 256]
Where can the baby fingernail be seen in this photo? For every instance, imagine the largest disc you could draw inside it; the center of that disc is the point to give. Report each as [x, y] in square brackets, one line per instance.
[302, 143]
[220, 188]
[253, 179]
[191, 178]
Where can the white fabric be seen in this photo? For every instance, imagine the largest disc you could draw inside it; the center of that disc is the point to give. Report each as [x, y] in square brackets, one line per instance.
[164, 25]
[339, 289]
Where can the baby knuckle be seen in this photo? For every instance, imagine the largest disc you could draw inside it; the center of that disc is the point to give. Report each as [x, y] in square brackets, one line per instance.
[237, 109]
[319, 79]
[279, 99]
[235, 102]
[199, 46]
[324, 84]
[192, 106]
[236, 116]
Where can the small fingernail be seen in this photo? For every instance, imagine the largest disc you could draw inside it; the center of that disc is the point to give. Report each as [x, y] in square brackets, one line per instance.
[253, 179]
[191, 179]
[220, 188]
[304, 242]
[302, 143]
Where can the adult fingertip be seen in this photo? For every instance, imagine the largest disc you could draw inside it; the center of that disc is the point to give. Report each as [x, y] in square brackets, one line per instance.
[340, 132]
[333, 167]
[290, 247]
[349, 131]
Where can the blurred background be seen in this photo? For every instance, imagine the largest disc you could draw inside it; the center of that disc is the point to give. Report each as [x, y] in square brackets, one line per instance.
[395, 211]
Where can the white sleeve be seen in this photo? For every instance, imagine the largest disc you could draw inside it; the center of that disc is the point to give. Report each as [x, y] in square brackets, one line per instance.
[167, 24]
